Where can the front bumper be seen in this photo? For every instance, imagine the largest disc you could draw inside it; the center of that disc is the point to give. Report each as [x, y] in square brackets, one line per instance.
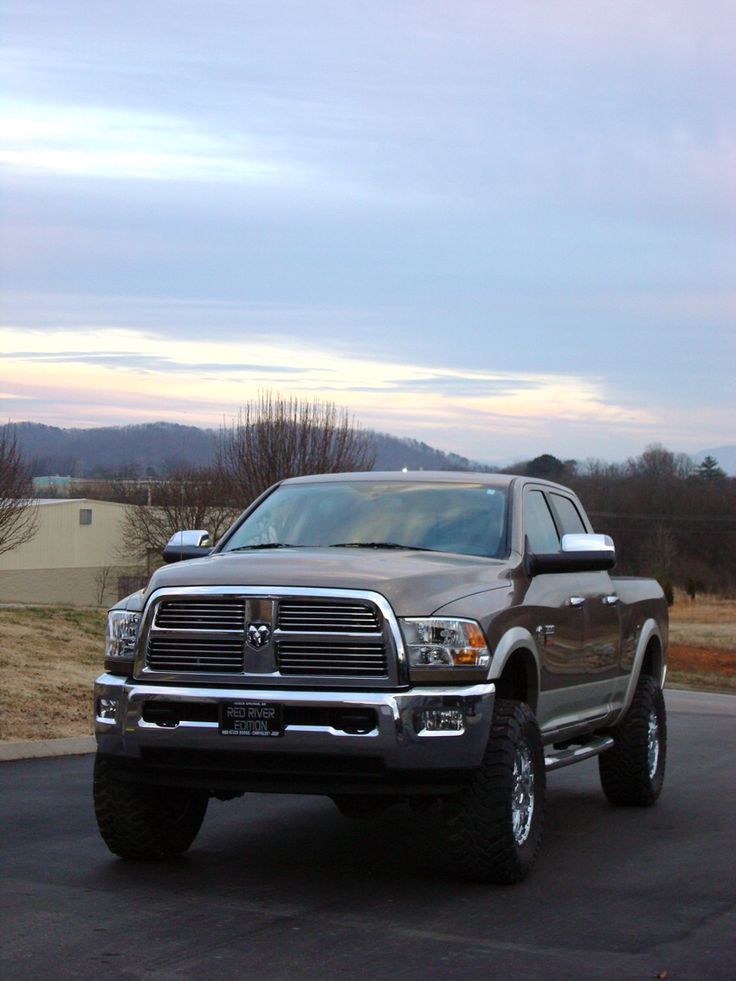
[396, 754]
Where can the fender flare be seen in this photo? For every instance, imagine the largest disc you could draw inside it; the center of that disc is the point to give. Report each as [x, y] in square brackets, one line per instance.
[516, 639]
[649, 629]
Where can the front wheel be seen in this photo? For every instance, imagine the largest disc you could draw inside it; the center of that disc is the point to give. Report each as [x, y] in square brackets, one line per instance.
[632, 771]
[145, 822]
[494, 825]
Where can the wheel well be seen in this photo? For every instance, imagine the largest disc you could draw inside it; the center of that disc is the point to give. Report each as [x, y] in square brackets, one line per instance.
[518, 679]
[651, 665]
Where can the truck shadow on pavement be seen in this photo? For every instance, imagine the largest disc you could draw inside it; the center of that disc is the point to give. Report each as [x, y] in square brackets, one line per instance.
[284, 843]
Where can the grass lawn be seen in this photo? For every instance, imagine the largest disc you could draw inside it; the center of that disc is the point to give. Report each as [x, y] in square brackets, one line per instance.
[49, 658]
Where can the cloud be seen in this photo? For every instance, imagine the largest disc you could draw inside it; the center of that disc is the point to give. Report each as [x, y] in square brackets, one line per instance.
[87, 141]
[142, 363]
[88, 378]
[207, 379]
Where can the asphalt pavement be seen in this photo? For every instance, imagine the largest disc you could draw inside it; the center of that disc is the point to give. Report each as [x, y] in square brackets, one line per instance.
[284, 887]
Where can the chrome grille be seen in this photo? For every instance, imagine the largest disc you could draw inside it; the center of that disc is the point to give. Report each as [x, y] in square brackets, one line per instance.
[364, 660]
[204, 614]
[202, 631]
[197, 654]
[327, 617]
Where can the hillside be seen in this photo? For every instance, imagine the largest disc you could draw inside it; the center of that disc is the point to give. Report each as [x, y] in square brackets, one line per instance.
[143, 450]
[152, 448]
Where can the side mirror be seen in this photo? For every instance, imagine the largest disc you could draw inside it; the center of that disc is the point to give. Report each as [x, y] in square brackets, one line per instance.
[580, 553]
[192, 544]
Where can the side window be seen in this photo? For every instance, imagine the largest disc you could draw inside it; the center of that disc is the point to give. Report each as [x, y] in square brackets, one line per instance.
[568, 515]
[539, 525]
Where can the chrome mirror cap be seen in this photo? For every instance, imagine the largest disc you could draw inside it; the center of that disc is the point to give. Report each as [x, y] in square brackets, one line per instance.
[587, 543]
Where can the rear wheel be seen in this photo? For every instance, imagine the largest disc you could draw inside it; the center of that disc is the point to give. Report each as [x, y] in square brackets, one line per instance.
[145, 822]
[494, 826]
[632, 771]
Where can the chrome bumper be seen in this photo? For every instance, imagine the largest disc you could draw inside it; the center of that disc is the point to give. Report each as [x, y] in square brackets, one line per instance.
[398, 740]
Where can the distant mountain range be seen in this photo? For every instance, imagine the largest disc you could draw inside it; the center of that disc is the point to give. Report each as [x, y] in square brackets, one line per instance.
[151, 449]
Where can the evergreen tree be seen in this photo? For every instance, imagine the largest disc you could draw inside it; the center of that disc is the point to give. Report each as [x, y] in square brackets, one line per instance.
[709, 470]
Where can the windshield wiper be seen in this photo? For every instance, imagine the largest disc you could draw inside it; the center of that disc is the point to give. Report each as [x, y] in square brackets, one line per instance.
[252, 548]
[263, 545]
[411, 548]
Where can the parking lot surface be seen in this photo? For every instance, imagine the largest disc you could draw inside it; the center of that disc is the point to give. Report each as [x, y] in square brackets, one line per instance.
[284, 887]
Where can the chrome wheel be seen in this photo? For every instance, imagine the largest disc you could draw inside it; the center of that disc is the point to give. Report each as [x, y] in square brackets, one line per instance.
[522, 797]
[653, 743]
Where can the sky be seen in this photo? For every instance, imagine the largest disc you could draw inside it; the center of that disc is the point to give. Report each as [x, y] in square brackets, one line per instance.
[502, 229]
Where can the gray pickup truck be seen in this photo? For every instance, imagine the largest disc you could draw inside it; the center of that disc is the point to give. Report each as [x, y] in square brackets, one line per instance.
[383, 637]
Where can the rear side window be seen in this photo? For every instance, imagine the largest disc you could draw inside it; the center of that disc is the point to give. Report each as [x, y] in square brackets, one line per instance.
[568, 515]
[539, 524]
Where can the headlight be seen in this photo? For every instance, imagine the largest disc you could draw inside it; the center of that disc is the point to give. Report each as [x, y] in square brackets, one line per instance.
[434, 643]
[120, 638]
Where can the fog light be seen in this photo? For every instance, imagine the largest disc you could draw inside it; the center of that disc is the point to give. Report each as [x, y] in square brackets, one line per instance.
[442, 720]
[107, 708]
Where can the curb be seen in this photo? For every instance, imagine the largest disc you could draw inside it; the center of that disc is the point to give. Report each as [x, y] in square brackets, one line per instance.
[32, 749]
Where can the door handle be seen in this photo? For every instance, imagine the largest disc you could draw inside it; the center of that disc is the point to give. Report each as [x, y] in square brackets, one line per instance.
[611, 600]
[576, 600]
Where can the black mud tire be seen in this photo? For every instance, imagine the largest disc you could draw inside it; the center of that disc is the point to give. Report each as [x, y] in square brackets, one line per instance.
[360, 806]
[632, 771]
[145, 822]
[493, 830]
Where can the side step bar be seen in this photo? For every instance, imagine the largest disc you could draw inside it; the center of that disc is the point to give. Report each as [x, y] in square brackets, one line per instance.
[557, 758]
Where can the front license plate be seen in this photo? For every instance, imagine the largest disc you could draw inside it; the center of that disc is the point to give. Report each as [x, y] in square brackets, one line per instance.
[251, 719]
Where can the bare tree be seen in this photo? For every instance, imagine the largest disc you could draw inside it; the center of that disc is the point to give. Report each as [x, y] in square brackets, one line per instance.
[659, 463]
[275, 437]
[103, 579]
[189, 497]
[18, 514]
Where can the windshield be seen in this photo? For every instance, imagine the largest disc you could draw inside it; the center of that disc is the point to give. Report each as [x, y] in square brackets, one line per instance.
[469, 519]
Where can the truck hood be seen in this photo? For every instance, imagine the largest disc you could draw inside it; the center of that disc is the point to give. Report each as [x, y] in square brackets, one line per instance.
[415, 583]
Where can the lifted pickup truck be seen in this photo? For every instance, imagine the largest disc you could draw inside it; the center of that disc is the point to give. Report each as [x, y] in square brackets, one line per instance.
[379, 637]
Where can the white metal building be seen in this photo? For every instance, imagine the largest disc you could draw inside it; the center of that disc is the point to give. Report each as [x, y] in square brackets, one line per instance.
[77, 556]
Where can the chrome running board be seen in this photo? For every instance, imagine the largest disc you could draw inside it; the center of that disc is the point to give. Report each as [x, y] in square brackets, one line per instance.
[557, 758]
